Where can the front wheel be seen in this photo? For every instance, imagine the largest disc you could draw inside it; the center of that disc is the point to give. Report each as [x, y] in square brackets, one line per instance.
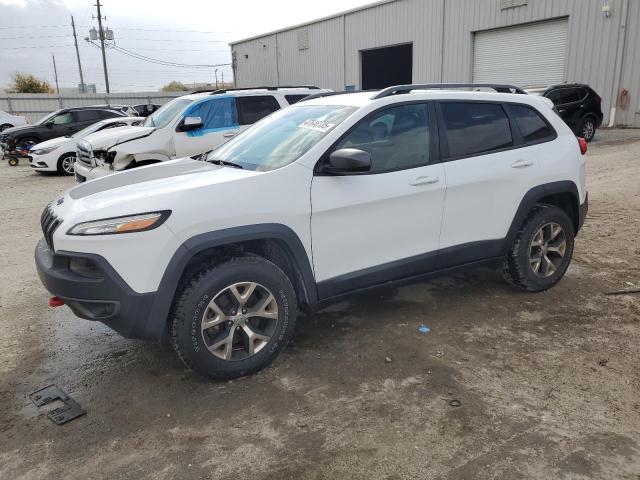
[4, 126]
[66, 164]
[234, 318]
[542, 250]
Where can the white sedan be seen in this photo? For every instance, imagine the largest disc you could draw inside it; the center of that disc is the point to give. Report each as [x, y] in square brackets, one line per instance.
[8, 121]
[59, 154]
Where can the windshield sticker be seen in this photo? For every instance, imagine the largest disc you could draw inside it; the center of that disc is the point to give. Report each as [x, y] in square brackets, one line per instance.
[317, 125]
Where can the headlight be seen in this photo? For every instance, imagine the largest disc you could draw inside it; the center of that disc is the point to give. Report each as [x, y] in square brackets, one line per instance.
[44, 151]
[128, 224]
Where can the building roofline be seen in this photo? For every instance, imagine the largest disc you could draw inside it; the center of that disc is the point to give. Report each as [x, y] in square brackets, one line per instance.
[311, 22]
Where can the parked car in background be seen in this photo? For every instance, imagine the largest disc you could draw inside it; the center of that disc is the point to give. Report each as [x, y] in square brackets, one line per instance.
[186, 126]
[388, 187]
[57, 124]
[577, 104]
[59, 154]
[146, 109]
[9, 121]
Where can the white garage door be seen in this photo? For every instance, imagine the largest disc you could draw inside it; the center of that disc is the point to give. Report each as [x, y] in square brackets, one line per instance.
[524, 55]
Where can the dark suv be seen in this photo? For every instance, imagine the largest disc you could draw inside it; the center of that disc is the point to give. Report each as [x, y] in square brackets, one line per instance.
[578, 105]
[57, 124]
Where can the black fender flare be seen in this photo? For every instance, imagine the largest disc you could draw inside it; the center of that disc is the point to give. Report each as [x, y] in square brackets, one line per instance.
[157, 319]
[534, 196]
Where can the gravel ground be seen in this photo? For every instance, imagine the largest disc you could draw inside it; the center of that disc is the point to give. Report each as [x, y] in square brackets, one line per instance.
[548, 383]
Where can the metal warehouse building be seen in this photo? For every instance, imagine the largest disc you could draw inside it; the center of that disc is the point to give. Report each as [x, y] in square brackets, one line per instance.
[522, 42]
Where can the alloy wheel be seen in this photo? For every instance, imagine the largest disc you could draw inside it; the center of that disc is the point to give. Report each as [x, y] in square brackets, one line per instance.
[588, 130]
[67, 164]
[239, 321]
[547, 249]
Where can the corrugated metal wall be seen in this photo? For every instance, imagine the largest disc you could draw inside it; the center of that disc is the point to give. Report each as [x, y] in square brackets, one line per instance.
[34, 106]
[443, 44]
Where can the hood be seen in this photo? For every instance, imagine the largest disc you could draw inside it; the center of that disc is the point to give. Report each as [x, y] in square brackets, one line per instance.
[12, 130]
[106, 139]
[54, 142]
[173, 175]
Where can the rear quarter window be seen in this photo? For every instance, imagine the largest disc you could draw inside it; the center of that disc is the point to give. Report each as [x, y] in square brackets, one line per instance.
[291, 99]
[256, 107]
[533, 127]
[473, 128]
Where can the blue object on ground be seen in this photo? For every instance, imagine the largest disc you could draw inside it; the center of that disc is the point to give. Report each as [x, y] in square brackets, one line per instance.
[424, 329]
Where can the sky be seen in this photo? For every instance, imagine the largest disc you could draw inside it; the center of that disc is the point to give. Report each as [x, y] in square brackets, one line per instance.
[190, 32]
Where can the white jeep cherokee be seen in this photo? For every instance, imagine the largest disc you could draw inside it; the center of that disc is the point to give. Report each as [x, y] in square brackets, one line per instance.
[333, 195]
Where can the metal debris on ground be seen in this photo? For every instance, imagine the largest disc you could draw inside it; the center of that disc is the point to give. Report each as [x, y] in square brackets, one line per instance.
[424, 329]
[455, 403]
[51, 393]
[623, 292]
[388, 359]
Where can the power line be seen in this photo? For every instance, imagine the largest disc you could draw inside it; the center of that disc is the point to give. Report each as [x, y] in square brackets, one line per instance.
[163, 62]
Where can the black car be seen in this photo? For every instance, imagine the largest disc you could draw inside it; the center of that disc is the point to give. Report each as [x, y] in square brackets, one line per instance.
[146, 109]
[57, 124]
[578, 105]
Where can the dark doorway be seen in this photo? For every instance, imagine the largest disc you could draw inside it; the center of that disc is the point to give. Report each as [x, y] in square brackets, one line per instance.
[383, 67]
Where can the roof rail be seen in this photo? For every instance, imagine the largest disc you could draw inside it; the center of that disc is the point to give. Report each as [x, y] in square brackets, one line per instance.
[398, 89]
[325, 94]
[218, 92]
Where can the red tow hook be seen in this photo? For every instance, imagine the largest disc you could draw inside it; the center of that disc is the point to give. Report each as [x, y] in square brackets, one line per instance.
[56, 302]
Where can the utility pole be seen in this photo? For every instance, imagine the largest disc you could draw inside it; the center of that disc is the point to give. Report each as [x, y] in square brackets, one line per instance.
[216, 74]
[104, 55]
[55, 72]
[223, 85]
[75, 40]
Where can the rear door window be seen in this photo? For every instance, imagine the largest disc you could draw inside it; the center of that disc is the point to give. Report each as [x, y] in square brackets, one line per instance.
[473, 128]
[291, 99]
[569, 95]
[532, 126]
[253, 108]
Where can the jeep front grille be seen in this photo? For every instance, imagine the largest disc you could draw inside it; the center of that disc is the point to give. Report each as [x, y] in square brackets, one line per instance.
[50, 222]
[85, 154]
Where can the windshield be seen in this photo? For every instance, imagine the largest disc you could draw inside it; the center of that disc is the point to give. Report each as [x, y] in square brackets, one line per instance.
[282, 137]
[161, 117]
[47, 117]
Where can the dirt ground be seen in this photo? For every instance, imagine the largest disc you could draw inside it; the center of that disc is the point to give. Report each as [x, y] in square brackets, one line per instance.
[549, 383]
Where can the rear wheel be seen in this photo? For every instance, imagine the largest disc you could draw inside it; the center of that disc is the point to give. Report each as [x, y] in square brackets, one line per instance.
[234, 318]
[27, 142]
[588, 129]
[66, 163]
[542, 250]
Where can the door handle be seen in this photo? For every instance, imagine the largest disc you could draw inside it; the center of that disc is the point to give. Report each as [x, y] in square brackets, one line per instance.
[521, 164]
[562, 111]
[425, 181]
[229, 134]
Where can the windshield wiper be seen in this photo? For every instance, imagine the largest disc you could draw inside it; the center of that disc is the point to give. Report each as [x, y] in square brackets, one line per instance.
[226, 163]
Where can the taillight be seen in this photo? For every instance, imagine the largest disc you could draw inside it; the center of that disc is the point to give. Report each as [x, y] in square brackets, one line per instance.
[599, 99]
[583, 145]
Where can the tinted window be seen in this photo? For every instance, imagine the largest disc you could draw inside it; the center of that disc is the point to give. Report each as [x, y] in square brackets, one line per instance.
[63, 118]
[475, 128]
[291, 99]
[253, 109]
[396, 138]
[531, 125]
[215, 113]
[582, 92]
[88, 115]
[564, 95]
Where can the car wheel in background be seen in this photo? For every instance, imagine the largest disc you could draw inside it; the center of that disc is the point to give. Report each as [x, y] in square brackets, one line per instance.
[587, 129]
[27, 142]
[65, 164]
[4, 126]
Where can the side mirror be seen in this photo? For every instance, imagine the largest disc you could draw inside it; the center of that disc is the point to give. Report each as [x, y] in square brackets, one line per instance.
[348, 161]
[49, 124]
[190, 123]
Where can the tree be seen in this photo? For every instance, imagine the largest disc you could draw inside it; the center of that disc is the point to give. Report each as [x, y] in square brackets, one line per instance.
[28, 83]
[174, 87]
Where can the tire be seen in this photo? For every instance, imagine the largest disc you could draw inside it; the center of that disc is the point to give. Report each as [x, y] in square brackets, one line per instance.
[552, 228]
[13, 162]
[207, 350]
[27, 141]
[4, 126]
[65, 164]
[587, 129]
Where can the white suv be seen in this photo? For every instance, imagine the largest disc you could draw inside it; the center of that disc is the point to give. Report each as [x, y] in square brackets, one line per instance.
[9, 121]
[331, 196]
[186, 126]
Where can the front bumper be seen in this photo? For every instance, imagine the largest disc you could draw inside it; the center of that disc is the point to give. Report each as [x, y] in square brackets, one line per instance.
[84, 172]
[97, 294]
[39, 163]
